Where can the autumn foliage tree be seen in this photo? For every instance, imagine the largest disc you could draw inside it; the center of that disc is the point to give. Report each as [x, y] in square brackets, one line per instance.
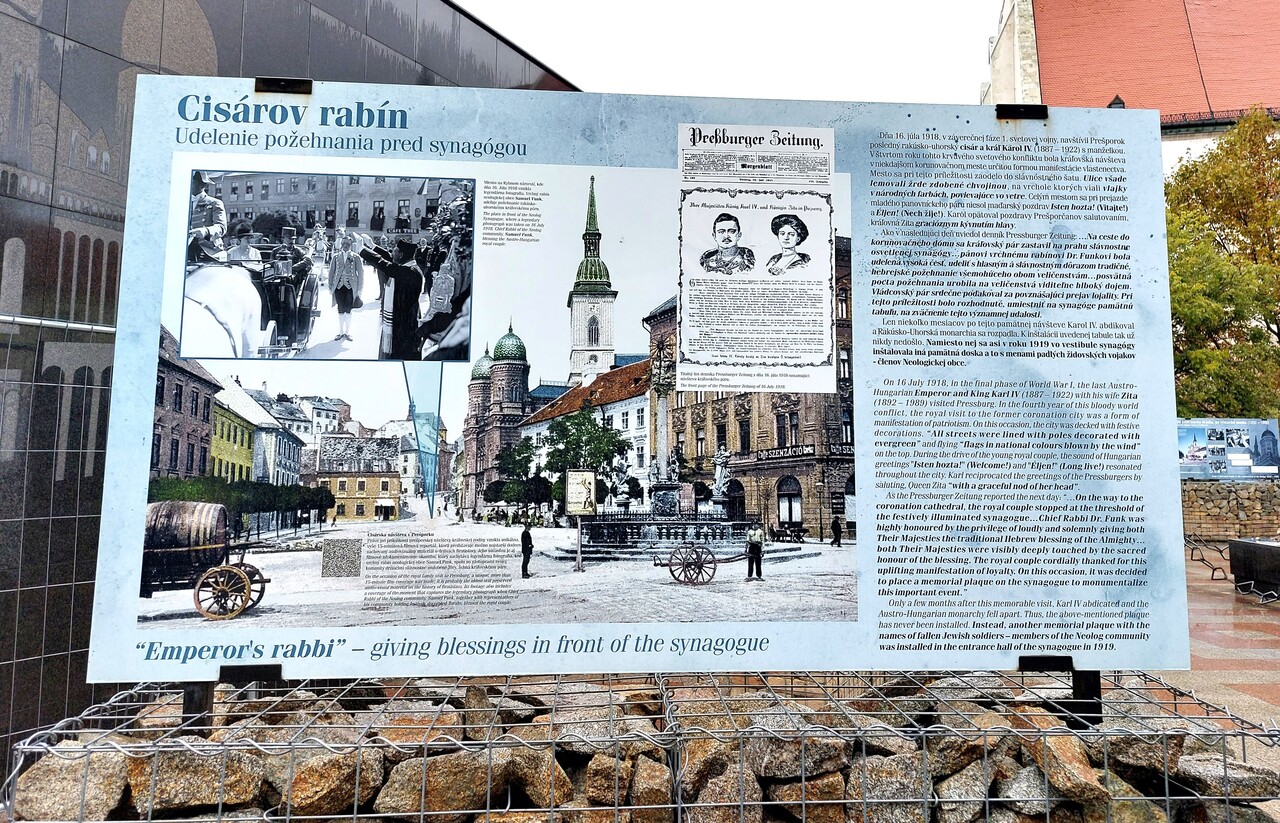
[1223, 225]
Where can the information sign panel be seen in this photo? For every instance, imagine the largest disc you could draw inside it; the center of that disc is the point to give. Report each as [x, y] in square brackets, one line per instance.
[373, 336]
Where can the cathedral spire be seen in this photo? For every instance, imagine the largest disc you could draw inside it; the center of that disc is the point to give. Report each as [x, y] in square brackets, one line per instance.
[593, 275]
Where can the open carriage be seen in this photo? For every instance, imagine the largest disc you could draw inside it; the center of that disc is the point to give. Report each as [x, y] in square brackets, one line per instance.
[187, 547]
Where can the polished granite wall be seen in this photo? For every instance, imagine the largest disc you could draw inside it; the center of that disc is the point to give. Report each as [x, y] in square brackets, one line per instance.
[67, 71]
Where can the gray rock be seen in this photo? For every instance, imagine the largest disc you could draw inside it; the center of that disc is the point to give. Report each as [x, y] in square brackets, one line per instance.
[180, 778]
[962, 797]
[534, 769]
[889, 790]
[739, 793]
[448, 784]
[1152, 744]
[73, 783]
[981, 735]
[1217, 776]
[1126, 804]
[409, 726]
[789, 749]
[251, 813]
[651, 786]
[479, 715]
[816, 800]
[979, 687]
[1028, 792]
[607, 780]
[1210, 811]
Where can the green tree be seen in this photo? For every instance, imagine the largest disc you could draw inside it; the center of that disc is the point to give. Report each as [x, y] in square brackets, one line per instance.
[578, 441]
[1225, 362]
[269, 224]
[515, 460]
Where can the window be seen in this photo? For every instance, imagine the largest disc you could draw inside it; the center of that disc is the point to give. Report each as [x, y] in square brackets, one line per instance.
[207, 411]
[155, 450]
[159, 391]
[279, 185]
[744, 435]
[679, 400]
[204, 460]
[780, 430]
[354, 181]
[293, 185]
[360, 485]
[342, 485]
[640, 418]
[722, 436]
[626, 422]
[846, 425]
[680, 442]
[790, 511]
[639, 457]
[341, 510]
[173, 454]
[379, 179]
[593, 331]
[699, 397]
[402, 209]
[311, 218]
[195, 403]
[191, 457]
[235, 191]
[844, 364]
[177, 398]
[359, 510]
[248, 191]
[702, 443]
[385, 485]
[233, 216]
[324, 484]
[842, 304]
[794, 420]
[608, 421]
[311, 184]
[248, 214]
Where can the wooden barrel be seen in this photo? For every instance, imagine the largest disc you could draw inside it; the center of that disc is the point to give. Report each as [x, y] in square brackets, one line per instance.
[174, 524]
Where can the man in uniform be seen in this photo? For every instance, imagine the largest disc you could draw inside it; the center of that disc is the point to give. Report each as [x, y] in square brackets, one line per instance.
[526, 550]
[727, 257]
[400, 295]
[208, 220]
[288, 250]
[755, 550]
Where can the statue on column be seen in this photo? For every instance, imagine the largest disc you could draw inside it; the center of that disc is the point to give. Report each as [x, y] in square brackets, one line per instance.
[673, 466]
[721, 462]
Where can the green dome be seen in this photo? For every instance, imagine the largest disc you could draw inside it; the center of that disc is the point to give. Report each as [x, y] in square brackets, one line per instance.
[481, 369]
[509, 347]
[592, 270]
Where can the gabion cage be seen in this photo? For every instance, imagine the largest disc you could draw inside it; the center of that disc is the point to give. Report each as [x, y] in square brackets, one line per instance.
[944, 747]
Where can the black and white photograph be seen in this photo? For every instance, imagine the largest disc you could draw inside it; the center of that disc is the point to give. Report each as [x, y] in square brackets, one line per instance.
[328, 267]
[1238, 438]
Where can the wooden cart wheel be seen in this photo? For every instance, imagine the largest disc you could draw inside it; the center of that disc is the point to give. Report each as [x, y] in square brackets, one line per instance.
[222, 593]
[677, 562]
[257, 583]
[704, 565]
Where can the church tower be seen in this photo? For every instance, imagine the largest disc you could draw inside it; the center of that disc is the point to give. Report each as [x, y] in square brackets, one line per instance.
[591, 306]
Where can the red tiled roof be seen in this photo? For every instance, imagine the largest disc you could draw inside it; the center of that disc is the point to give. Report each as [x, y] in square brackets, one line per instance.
[610, 387]
[1178, 56]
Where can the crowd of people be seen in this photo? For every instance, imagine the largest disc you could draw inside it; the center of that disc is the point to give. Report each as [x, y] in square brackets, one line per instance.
[424, 284]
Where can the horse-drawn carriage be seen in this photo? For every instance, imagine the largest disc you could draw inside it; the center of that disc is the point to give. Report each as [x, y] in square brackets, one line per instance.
[249, 308]
[187, 547]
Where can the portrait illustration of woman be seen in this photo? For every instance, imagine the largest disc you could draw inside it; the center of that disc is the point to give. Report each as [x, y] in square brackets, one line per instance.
[791, 232]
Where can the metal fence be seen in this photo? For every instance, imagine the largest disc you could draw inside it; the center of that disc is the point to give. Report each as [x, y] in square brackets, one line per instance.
[655, 748]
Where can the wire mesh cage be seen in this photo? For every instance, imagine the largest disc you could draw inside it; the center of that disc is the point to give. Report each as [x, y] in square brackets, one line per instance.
[728, 748]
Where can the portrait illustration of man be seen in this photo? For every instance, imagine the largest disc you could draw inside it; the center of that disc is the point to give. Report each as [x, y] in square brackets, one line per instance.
[727, 257]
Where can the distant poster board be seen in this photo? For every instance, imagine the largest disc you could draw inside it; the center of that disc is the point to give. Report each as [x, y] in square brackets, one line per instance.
[986, 295]
[580, 493]
[1219, 448]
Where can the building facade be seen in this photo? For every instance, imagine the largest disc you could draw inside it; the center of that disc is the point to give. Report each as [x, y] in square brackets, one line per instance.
[363, 476]
[67, 75]
[791, 454]
[232, 448]
[182, 434]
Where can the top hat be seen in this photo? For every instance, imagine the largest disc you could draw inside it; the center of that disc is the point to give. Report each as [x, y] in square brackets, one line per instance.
[288, 231]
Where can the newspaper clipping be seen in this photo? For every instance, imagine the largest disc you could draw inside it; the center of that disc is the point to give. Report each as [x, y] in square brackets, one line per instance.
[757, 258]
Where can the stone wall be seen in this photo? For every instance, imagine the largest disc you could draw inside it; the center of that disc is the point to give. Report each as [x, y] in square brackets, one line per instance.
[1220, 510]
